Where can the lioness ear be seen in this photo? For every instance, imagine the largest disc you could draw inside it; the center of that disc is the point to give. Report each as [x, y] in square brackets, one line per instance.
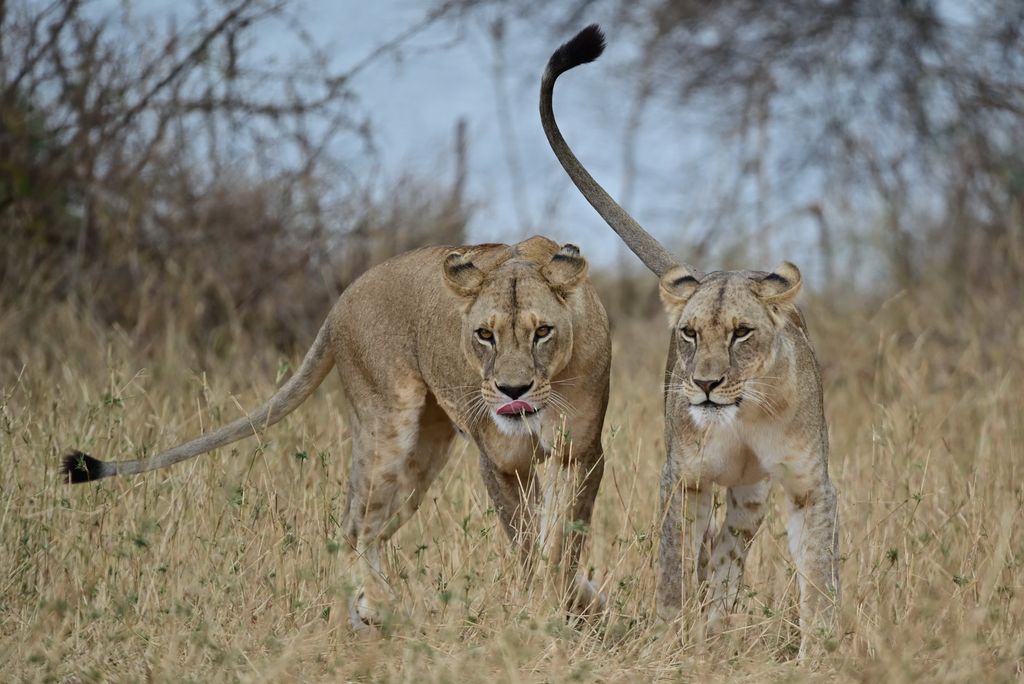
[566, 269]
[676, 287]
[782, 285]
[461, 276]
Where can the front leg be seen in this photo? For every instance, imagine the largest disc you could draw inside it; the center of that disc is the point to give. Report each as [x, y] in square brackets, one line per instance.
[511, 491]
[568, 508]
[689, 502]
[729, 551]
[813, 532]
[567, 504]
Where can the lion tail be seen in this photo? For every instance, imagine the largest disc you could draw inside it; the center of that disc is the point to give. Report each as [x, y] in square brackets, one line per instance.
[79, 467]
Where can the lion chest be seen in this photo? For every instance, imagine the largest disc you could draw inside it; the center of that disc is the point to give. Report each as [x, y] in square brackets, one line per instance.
[739, 454]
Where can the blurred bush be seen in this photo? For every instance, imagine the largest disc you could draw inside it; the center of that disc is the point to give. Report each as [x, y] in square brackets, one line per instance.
[178, 174]
[887, 136]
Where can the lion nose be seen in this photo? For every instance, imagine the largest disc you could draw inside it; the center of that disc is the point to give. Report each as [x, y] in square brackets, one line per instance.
[708, 385]
[514, 391]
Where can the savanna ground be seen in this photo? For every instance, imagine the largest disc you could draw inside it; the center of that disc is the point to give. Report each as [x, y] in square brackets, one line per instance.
[230, 567]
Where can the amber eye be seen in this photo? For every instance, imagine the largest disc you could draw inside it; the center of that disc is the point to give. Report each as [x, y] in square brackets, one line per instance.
[742, 333]
[484, 334]
[689, 334]
[542, 332]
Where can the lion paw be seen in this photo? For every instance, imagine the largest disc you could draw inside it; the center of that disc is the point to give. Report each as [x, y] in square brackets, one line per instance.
[586, 599]
[362, 614]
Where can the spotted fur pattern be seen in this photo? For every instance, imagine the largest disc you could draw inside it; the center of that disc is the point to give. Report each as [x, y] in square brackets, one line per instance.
[743, 408]
[740, 409]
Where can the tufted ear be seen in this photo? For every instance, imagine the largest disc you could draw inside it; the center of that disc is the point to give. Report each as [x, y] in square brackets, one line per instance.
[782, 285]
[567, 269]
[676, 287]
[461, 276]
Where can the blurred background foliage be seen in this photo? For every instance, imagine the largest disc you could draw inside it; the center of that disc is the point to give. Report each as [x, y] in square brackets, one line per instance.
[157, 175]
[893, 121]
[178, 212]
[168, 175]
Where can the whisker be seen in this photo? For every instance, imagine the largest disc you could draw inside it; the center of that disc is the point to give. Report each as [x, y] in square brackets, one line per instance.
[480, 411]
[475, 409]
[454, 387]
[467, 402]
[463, 396]
[563, 409]
[559, 401]
[757, 393]
[762, 400]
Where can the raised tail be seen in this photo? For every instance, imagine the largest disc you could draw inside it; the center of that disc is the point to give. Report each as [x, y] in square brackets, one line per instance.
[79, 467]
[585, 47]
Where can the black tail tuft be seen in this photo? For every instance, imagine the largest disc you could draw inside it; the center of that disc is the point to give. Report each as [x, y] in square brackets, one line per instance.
[585, 46]
[79, 467]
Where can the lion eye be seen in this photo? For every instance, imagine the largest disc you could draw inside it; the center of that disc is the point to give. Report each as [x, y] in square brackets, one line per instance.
[689, 334]
[742, 333]
[542, 332]
[484, 334]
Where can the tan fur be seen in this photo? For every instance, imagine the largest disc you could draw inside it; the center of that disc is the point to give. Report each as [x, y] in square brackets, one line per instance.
[776, 432]
[414, 373]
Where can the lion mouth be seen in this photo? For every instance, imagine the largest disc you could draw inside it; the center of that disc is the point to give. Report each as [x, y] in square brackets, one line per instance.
[516, 408]
[709, 404]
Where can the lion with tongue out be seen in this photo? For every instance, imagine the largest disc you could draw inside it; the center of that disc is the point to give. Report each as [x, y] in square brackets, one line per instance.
[536, 339]
[506, 344]
[530, 316]
[516, 407]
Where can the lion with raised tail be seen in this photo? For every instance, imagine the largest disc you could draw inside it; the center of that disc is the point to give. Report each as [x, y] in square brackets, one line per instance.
[506, 344]
[743, 407]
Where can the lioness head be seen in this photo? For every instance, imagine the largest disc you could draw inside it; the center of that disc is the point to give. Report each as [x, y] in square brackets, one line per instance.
[728, 326]
[517, 327]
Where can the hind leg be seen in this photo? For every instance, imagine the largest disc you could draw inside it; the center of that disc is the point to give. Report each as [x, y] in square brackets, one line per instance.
[396, 454]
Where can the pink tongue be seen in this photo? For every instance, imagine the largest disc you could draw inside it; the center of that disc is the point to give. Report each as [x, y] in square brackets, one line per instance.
[516, 406]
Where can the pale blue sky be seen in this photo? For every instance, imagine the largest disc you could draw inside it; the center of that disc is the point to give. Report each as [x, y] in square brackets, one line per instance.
[417, 100]
[446, 72]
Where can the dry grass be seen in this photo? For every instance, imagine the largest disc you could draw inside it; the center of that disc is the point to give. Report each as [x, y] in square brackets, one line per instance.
[230, 567]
